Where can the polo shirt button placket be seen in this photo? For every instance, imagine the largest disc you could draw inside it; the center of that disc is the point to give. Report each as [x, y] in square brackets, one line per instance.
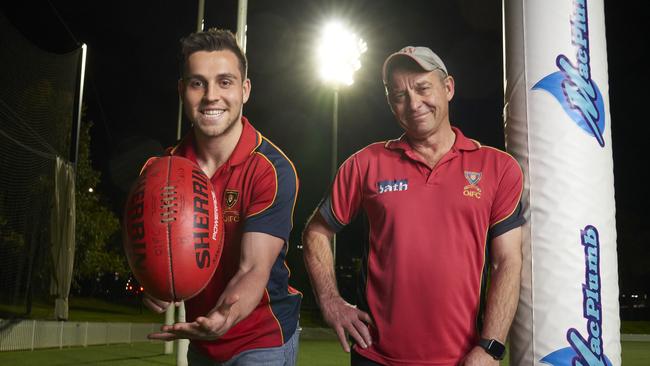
[431, 178]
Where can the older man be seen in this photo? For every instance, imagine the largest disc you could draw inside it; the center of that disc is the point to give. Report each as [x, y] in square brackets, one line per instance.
[444, 221]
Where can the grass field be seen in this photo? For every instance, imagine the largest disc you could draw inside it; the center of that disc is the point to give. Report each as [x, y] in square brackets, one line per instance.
[84, 309]
[93, 310]
[316, 353]
[312, 353]
[635, 327]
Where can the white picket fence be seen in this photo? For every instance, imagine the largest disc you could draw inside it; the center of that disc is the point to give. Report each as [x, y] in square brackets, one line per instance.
[33, 334]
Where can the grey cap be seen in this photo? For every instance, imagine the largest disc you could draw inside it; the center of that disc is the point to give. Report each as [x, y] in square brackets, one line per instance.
[426, 58]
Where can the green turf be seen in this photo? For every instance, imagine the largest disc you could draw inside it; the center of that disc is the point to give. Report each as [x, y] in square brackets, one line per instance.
[316, 353]
[118, 355]
[311, 353]
[636, 353]
[88, 310]
[96, 310]
[635, 327]
[322, 353]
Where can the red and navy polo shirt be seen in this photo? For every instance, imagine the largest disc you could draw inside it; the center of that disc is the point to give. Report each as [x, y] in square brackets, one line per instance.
[258, 187]
[425, 265]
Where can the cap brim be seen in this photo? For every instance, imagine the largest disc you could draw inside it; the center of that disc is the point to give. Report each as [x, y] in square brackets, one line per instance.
[425, 66]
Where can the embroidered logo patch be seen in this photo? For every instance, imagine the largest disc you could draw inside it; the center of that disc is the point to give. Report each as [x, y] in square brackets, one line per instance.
[472, 189]
[231, 198]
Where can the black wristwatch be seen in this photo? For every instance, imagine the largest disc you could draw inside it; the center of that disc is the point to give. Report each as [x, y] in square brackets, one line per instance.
[493, 347]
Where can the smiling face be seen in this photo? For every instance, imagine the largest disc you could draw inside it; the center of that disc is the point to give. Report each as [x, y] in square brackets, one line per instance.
[420, 100]
[213, 91]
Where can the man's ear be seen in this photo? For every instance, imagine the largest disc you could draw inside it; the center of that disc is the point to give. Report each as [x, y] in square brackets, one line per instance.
[450, 86]
[246, 90]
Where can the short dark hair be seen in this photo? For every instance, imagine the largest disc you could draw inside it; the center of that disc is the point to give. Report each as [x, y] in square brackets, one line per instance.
[213, 39]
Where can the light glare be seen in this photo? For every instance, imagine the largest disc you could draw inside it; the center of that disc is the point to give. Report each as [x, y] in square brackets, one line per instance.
[338, 54]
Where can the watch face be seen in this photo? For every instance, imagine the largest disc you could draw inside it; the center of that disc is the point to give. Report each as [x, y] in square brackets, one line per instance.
[497, 350]
[493, 348]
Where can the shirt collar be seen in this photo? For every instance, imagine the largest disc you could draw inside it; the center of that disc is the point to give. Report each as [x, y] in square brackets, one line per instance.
[249, 140]
[461, 143]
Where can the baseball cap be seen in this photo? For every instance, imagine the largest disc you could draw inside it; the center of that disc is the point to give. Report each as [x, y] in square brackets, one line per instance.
[426, 58]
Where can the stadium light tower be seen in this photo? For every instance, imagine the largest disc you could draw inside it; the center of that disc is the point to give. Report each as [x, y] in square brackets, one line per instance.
[338, 54]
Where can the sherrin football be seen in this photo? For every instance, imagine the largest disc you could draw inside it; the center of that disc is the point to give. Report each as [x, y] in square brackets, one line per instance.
[173, 231]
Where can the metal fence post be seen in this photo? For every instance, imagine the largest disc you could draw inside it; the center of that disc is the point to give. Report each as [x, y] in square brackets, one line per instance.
[33, 333]
[60, 334]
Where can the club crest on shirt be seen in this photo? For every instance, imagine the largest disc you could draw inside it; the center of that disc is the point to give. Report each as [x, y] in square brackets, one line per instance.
[397, 185]
[472, 189]
[231, 197]
[230, 215]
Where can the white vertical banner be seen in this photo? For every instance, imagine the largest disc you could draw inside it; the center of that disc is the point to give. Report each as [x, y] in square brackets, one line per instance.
[558, 128]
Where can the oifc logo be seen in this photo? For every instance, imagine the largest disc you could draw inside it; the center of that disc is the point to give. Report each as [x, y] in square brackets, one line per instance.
[586, 351]
[472, 190]
[572, 85]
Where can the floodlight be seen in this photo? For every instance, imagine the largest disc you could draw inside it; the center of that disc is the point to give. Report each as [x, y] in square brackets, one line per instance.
[338, 54]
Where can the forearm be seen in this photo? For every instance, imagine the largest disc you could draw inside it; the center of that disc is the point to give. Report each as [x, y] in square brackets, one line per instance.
[319, 263]
[341, 316]
[246, 288]
[248, 285]
[502, 299]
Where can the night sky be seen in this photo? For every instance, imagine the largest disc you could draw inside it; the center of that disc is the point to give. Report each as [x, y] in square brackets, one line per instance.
[131, 93]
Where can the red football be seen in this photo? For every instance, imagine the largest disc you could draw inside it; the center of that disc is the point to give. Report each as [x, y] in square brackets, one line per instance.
[173, 232]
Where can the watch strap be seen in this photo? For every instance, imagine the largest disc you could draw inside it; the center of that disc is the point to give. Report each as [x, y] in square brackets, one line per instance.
[493, 347]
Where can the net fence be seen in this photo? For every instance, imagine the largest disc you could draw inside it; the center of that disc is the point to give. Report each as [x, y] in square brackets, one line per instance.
[37, 97]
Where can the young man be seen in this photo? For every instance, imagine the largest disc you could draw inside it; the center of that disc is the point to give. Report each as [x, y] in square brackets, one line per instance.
[248, 313]
[441, 209]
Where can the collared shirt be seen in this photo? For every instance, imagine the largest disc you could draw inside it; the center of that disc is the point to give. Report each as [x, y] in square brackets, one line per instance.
[257, 188]
[425, 264]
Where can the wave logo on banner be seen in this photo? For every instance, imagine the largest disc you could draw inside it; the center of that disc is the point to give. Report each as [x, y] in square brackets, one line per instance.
[587, 351]
[572, 86]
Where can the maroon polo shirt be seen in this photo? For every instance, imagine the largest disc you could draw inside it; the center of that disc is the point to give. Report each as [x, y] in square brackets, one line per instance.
[257, 187]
